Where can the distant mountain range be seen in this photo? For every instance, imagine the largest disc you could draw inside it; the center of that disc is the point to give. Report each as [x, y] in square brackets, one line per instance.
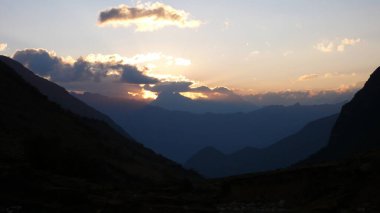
[177, 102]
[212, 163]
[178, 135]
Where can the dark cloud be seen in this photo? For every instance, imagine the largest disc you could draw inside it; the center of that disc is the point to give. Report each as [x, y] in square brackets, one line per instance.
[202, 89]
[47, 64]
[147, 17]
[129, 13]
[173, 87]
[223, 90]
[134, 76]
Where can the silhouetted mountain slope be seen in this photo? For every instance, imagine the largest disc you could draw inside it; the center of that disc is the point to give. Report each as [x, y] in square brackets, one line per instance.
[116, 108]
[281, 154]
[175, 101]
[347, 180]
[58, 94]
[357, 128]
[49, 156]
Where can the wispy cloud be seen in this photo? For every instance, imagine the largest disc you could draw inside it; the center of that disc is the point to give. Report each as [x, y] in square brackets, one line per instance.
[140, 59]
[325, 46]
[147, 17]
[3, 46]
[327, 75]
[288, 53]
[347, 42]
[308, 77]
[332, 46]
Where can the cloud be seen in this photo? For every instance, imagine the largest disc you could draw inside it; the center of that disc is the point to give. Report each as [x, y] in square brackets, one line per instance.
[325, 46]
[288, 53]
[343, 93]
[148, 59]
[347, 42]
[188, 89]
[327, 75]
[255, 52]
[47, 64]
[172, 87]
[340, 46]
[134, 76]
[147, 17]
[308, 77]
[3, 46]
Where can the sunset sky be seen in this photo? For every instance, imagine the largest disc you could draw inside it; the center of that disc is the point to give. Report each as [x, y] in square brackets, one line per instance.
[248, 46]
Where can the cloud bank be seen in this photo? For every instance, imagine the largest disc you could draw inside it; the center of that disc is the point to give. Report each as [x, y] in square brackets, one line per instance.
[147, 17]
[84, 73]
[342, 94]
[339, 46]
[49, 65]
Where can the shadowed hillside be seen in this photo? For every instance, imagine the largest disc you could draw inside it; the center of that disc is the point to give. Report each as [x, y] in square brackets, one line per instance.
[58, 94]
[52, 159]
[347, 180]
[358, 125]
[281, 154]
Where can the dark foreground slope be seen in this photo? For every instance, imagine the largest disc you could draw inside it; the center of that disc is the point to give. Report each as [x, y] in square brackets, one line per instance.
[52, 160]
[350, 186]
[58, 94]
[292, 149]
[357, 129]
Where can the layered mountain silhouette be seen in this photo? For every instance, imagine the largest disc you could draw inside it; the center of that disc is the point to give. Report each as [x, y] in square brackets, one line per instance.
[358, 125]
[52, 160]
[178, 135]
[212, 163]
[49, 155]
[342, 177]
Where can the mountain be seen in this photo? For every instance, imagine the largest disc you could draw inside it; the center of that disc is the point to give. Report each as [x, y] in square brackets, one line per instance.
[115, 107]
[51, 158]
[58, 94]
[342, 177]
[211, 163]
[178, 135]
[357, 128]
[177, 102]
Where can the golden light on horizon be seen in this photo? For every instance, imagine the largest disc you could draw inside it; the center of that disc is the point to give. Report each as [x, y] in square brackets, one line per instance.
[146, 94]
[194, 95]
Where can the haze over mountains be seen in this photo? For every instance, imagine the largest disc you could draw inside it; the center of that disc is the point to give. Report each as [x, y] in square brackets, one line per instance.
[315, 135]
[178, 134]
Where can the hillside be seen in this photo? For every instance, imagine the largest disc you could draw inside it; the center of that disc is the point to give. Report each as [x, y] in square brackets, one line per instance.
[357, 127]
[54, 159]
[281, 154]
[58, 94]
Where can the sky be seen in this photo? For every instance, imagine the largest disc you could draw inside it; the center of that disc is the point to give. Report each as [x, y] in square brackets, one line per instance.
[245, 46]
